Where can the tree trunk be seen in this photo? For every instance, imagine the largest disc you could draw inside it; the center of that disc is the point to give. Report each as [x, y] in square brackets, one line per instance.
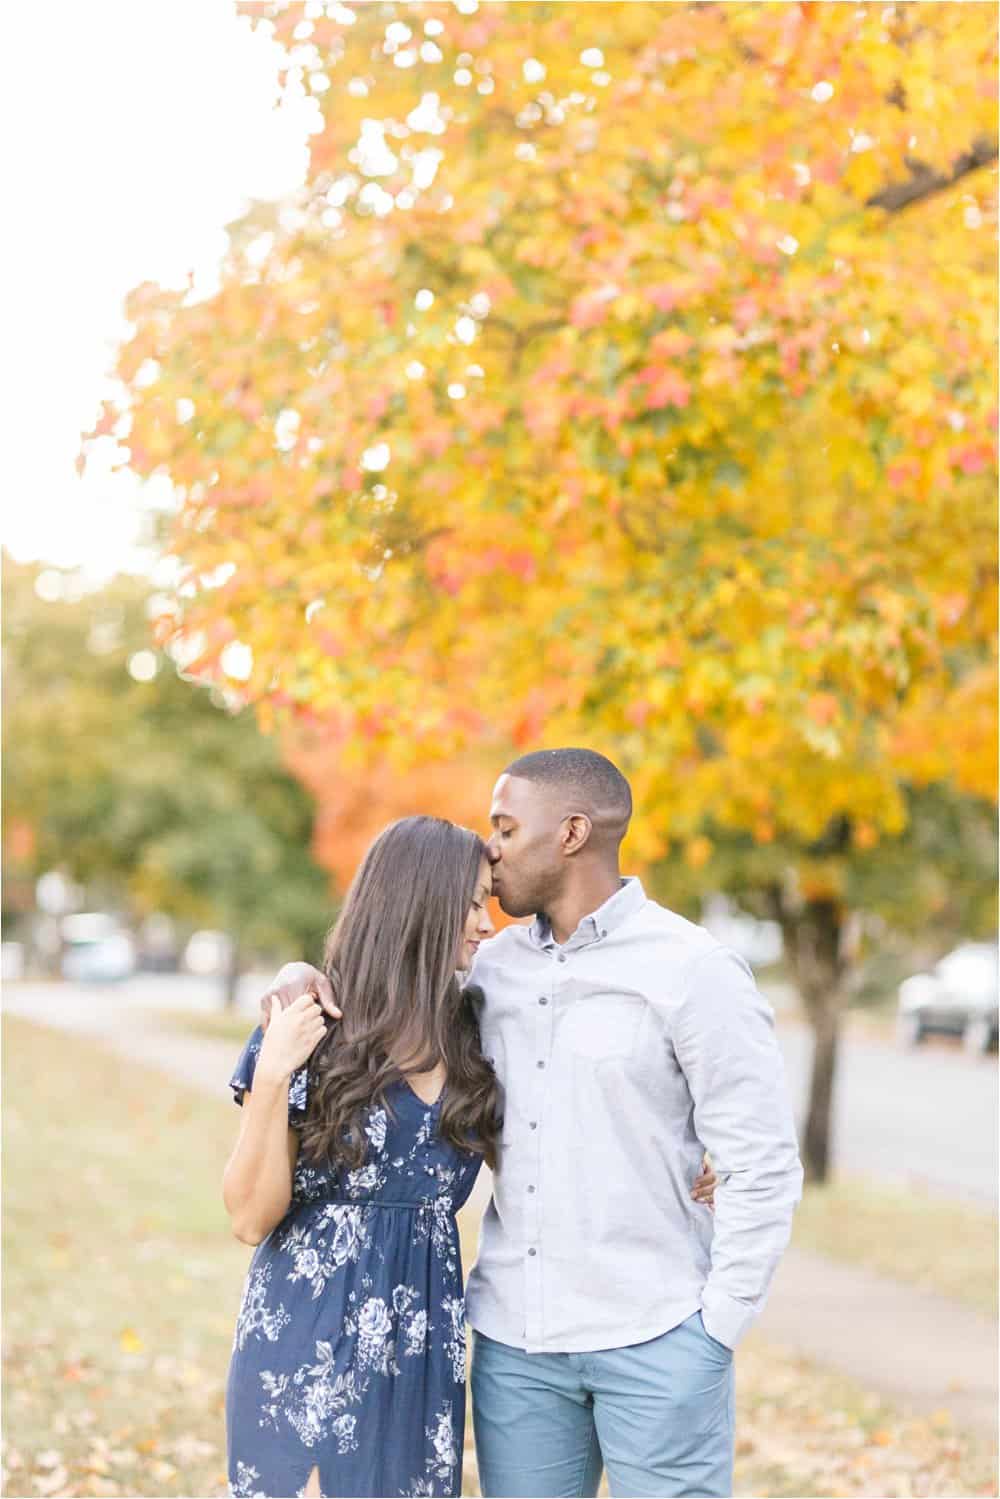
[814, 942]
[819, 1114]
[231, 978]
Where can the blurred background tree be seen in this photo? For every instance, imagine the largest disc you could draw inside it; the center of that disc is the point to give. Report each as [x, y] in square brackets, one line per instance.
[151, 791]
[627, 384]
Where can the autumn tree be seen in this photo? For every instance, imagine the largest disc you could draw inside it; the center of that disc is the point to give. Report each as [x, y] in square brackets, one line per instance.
[354, 802]
[147, 789]
[623, 374]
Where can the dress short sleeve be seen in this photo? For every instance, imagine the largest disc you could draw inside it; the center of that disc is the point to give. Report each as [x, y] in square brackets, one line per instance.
[241, 1081]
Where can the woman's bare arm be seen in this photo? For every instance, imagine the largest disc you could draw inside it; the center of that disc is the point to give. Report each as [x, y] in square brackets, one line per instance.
[257, 1182]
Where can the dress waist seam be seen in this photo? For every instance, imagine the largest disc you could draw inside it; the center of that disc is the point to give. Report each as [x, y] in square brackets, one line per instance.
[343, 1202]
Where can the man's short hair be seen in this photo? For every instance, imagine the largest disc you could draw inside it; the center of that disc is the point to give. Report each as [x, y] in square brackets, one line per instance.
[602, 790]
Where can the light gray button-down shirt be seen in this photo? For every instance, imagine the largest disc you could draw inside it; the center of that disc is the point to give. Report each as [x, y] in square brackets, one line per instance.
[622, 1054]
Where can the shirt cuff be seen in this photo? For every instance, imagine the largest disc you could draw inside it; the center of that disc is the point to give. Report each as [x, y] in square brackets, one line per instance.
[725, 1318]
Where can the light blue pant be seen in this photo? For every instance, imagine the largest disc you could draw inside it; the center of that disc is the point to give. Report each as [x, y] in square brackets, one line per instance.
[657, 1415]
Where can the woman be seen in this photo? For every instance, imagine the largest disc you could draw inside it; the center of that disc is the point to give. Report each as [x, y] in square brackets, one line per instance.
[348, 1366]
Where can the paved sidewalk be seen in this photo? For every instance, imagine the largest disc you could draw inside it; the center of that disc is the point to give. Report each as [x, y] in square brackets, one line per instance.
[924, 1352]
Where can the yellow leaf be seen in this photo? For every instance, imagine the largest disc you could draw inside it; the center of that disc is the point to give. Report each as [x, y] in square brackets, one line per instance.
[863, 175]
[698, 851]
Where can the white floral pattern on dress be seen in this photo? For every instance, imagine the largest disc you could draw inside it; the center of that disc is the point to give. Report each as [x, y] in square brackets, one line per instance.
[322, 1393]
[317, 1254]
[255, 1316]
[275, 1385]
[243, 1487]
[365, 1181]
[454, 1341]
[416, 1335]
[377, 1128]
[443, 1457]
[344, 1428]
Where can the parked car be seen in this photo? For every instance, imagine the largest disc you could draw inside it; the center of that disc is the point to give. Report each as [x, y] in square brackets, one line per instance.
[11, 960]
[957, 998]
[96, 949]
[759, 943]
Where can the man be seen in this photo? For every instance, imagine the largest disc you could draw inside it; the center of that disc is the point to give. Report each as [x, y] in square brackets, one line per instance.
[606, 1304]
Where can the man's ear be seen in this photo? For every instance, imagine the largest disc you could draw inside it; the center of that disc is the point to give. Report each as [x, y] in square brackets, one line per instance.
[575, 832]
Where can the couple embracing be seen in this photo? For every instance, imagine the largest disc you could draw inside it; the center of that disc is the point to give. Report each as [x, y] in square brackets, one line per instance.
[590, 1059]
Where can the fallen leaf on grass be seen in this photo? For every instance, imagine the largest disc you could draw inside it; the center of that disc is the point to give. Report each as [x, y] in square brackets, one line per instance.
[189, 1449]
[123, 1458]
[51, 1483]
[162, 1471]
[130, 1341]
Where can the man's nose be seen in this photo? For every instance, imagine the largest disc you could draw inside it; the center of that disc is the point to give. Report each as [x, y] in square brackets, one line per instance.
[493, 849]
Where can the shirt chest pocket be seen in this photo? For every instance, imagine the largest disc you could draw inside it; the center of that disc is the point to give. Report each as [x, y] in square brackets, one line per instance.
[599, 1025]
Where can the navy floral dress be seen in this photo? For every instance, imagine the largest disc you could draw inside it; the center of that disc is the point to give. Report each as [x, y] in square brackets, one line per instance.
[349, 1352]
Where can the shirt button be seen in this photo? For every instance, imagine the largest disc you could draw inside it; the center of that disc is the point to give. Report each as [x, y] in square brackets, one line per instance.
[543, 1000]
[531, 1189]
[541, 1064]
[562, 957]
[533, 1124]
[532, 1252]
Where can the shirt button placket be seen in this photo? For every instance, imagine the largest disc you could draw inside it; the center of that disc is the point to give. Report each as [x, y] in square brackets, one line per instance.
[532, 1195]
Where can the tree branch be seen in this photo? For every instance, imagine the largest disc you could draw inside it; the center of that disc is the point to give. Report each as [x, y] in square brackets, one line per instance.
[924, 181]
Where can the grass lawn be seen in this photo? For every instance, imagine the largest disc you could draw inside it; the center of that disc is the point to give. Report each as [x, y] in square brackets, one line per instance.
[122, 1284]
[911, 1236]
[224, 1026]
[121, 1280]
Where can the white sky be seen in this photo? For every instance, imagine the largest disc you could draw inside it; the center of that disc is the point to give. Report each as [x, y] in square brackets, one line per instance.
[135, 130]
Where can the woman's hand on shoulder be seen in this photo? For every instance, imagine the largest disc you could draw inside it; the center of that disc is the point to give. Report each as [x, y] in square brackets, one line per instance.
[291, 1038]
[292, 982]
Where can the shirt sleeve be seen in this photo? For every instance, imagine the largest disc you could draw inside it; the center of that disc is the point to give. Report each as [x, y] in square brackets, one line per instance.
[725, 1044]
[241, 1081]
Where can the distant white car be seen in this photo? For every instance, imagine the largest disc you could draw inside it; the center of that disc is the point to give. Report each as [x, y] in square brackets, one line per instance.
[96, 949]
[957, 998]
[11, 960]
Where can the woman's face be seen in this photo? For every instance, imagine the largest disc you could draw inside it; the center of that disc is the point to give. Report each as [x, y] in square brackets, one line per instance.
[478, 925]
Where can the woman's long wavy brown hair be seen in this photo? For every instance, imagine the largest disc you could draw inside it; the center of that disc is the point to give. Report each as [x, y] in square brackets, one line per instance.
[391, 960]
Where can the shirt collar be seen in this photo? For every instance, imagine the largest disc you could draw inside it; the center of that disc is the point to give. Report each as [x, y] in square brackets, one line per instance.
[616, 909]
